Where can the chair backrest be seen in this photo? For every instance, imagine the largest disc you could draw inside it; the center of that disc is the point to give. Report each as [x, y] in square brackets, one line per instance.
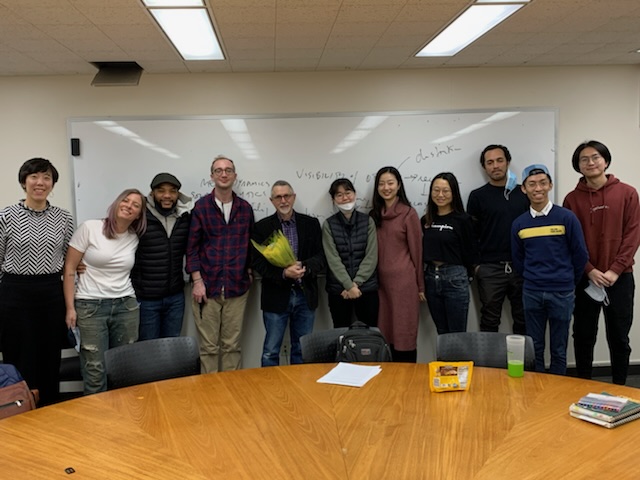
[321, 346]
[486, 349]
[151, 360]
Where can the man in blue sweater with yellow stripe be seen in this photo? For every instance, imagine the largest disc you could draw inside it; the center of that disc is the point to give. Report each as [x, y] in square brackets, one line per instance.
[549, 252]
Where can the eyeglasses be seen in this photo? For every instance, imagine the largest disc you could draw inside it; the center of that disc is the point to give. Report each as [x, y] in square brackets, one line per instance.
[279, 198]
[345, 194]
[228, 171]
[593, 158]
[542, 183]
[444, 191]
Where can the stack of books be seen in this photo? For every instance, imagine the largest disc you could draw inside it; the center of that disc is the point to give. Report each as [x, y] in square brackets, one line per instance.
[606, 410]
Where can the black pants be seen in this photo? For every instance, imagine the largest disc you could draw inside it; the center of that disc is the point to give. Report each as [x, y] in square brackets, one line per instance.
[365, 309]
[495, 282]
[618, 317]
[32, 312]
[404, 356]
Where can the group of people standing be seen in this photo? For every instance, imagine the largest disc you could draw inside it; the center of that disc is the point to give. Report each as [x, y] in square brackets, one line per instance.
[121, 278]
[552, 262]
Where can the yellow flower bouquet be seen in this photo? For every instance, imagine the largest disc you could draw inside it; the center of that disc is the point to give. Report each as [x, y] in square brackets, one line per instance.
[277, 250]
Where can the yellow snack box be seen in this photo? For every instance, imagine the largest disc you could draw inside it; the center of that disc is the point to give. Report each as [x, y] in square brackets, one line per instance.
[450, 376]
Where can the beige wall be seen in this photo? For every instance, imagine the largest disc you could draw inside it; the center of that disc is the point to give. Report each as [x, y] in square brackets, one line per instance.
[593, 102]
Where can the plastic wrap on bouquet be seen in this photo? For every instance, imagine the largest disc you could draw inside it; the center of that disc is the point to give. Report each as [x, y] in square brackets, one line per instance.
[277, 250]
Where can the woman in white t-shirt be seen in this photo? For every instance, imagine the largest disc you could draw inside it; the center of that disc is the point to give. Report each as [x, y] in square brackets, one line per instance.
[103, 303]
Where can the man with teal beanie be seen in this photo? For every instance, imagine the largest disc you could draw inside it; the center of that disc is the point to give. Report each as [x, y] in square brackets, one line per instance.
[549, 252]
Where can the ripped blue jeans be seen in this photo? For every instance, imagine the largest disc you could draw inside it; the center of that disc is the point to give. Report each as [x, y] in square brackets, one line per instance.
[103, 324]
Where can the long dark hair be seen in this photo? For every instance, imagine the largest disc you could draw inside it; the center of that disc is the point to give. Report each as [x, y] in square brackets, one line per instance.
[456, 200]
[378, 201]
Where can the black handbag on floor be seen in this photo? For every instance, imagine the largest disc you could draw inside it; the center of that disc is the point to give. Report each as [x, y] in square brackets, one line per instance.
[362, 343]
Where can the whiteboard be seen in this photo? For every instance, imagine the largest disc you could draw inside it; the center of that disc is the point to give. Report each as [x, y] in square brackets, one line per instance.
[309, 151]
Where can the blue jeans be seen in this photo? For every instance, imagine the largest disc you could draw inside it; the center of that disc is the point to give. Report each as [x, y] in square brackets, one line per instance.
[447, 292]
[556, 307]
[301, 319]
[161, 318]
[103, 324]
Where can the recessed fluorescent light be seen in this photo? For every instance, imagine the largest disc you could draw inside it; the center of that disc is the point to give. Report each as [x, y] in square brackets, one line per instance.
[474, 22]
[188, 26]
[173, 3]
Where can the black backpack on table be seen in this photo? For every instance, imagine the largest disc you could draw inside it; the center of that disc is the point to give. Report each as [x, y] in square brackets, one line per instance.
[362, 343]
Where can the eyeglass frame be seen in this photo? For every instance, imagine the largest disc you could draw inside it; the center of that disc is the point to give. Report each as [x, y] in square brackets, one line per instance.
[286, 197]
[345, 193]
[218, 171]
[595, 158]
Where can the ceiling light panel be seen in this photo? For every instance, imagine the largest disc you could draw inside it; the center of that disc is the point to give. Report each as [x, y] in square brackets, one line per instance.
[474, 22]
[188, 26]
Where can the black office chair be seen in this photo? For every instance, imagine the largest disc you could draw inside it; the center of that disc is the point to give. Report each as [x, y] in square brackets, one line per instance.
[486, 349]
[151, 360]
[322, 346]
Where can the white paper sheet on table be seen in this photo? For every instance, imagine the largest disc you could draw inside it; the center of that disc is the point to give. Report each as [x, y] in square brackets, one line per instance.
[350, 374]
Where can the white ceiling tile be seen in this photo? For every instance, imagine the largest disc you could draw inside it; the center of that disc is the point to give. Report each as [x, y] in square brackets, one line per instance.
[20, 4]
[442, 12]
[293, 31]
[368, 13]
[62, 67]
[107, 14]
[252, 65]
[310, 3]
[245, 14]
[163, 66]
[351, 42]
[219, 66]
[251, 53]
[246, 29]
[292, 35]
[249, 42]
[364, 28]
[424, 29]
[301, 42]
[295, 65]
[63, 14]
[306, 14]
[286, 54]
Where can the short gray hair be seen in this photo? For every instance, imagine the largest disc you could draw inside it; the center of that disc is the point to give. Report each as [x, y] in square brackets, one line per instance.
[282, 183]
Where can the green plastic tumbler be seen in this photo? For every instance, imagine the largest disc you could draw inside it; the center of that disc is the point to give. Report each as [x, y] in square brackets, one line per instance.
[515, 355]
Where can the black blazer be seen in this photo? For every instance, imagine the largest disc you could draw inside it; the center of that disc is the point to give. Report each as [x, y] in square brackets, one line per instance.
[276, 290]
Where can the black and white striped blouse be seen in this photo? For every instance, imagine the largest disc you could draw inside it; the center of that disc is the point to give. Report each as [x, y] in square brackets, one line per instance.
[33, 242]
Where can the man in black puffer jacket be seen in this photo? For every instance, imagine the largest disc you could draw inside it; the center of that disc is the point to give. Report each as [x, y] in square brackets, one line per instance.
[158, 274]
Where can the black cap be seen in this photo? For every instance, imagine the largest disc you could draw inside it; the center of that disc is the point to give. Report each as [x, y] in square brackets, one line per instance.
[165, 178]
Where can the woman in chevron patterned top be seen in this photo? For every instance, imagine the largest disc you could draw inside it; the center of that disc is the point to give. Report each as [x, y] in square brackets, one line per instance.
[103, 303]
[33, 242]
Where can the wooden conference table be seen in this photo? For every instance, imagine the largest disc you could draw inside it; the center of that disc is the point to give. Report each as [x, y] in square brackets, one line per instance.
[279, 423]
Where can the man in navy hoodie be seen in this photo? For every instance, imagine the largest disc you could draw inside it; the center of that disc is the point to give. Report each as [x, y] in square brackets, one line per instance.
[609, 212]
[549, 252]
